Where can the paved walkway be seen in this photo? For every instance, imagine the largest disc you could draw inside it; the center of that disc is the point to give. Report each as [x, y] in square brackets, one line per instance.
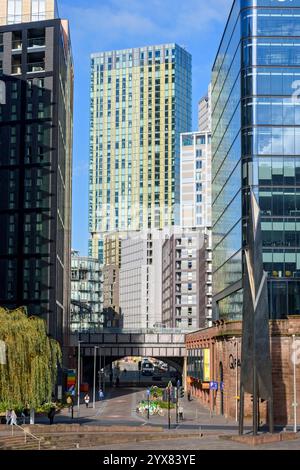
[207, 442]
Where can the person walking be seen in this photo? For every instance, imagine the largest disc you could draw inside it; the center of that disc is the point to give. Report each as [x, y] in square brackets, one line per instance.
[101, 394]
[117, 381]
[70, 403]
[51, 414]
[180, 412]
[25, 414]
[8, 416]
[13, 418]
[87, 400]
[111, 377]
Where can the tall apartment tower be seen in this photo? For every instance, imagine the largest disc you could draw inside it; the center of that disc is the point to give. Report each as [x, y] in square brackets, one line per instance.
[256, 144]
[35, 161]
[195, 215]
[195, 180]
[140, 103]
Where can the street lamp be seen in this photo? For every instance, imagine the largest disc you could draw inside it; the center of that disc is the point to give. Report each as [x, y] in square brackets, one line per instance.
[78, 379]
[94, 384]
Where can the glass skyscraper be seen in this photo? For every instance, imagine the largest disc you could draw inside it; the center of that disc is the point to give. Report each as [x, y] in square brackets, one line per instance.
[140, 103]
[256, 143]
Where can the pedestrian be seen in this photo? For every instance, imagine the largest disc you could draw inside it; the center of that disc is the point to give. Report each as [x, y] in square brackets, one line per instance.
[117, 381]
[87, 400]
[51, 414]
[23, 417]
[13, 417]
[180, 412]
[189, 396]
[8, 416]
[111, 377]
[70, 403]
[101, 394]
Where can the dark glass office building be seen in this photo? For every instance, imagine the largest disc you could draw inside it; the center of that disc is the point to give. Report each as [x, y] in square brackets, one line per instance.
[256, 143]
[35, 168]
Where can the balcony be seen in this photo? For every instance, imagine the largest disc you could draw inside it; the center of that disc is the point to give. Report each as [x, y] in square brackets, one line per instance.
[34, 43]
[16, 69]
[16, 45]
[36, 67]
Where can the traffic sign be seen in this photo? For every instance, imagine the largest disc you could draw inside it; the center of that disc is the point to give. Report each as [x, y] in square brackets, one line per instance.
[213, 385]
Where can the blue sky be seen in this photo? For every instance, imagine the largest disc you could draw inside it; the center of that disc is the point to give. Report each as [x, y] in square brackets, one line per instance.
[99, 25]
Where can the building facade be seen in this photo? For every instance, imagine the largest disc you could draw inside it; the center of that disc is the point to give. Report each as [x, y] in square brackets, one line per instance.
[141, 280]
[25, 11]
[181, 274]
[111, 275]
[214, 354]
[36, 71]
[140, 103]
[256, 143]
[195, 179]
[86, 293]
[204, 112]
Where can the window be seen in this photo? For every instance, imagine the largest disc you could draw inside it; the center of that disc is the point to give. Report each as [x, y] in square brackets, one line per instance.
[200, 140]
[14, 11]
[38, 10]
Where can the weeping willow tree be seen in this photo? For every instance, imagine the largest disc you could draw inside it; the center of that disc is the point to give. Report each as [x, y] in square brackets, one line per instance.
[29, 371]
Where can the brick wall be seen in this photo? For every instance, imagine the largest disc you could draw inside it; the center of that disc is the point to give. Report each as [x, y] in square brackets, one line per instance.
[224, 342]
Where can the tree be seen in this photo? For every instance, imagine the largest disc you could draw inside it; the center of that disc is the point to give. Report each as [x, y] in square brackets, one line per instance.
[30, 370]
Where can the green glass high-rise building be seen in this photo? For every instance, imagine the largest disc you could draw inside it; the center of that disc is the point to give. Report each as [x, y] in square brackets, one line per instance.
[141, 100]
[256, 144]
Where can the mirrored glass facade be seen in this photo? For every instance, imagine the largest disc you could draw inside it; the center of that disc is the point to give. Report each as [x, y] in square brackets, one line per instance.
[256, 142]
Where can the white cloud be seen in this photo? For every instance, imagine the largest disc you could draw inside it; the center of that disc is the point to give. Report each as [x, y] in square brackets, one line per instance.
[102, 24]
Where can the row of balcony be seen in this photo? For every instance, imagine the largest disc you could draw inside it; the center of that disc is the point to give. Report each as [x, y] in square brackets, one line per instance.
[31, 68]
[32, 43]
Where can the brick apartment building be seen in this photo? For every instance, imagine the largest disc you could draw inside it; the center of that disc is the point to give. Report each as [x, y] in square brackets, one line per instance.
[223, 341]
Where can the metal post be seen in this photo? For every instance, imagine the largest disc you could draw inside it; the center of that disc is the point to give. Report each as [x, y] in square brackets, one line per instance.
[94, 383]
[295, 385]
[177, 399]
[148, 410]
[255, 399]
[169, 408]
[78, 380]
[104, 371]
[236, 382]
[100, 368]
[241, 421]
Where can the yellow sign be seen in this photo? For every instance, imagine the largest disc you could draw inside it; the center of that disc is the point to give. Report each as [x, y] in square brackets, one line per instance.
[206, 365]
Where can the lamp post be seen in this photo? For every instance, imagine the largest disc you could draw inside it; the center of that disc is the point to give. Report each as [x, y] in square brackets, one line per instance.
[295, 383]
[78, 379]
[94, 383]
